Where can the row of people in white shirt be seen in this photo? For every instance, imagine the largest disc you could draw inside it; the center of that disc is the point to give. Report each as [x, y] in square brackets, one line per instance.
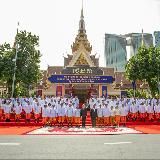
[64, 109]
[132, 105]
[38, 105]
[29, 104]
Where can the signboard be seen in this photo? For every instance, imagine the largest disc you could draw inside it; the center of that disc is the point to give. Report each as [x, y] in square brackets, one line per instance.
[83, 70]
[80, 79]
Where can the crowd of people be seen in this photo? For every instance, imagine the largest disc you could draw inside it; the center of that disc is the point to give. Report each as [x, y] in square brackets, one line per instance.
[57, 111]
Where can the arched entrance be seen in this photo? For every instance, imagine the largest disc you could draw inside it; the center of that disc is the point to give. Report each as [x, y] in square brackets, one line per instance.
[84, 91]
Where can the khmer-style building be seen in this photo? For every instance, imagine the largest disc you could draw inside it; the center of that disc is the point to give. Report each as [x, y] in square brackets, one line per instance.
[81, 74]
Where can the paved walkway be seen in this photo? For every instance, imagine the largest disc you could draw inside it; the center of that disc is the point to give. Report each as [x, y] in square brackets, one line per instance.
[138, 146]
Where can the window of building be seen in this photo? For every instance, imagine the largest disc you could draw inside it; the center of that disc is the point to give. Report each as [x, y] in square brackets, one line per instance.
[112, 61]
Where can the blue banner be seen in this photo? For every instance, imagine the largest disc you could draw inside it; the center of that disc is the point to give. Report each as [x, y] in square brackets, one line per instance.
[80, 79]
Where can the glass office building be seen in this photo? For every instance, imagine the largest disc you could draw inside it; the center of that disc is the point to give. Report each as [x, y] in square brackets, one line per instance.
[115, 52]
[134, 41]
[157, 38]
[120, 48]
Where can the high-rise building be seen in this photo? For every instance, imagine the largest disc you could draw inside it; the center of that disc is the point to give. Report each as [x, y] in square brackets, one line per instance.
[157, 38]
[120, 48]
[134, 41]
[115, 51]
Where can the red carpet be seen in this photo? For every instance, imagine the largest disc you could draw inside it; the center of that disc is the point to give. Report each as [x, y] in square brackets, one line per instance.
[21, 127]
[15, 130]
[83, 131]
[5, 130]
[149, 129]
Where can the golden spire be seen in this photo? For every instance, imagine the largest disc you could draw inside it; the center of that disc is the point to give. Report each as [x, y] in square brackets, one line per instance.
[81, 38]
[81, 22]
[82, 10]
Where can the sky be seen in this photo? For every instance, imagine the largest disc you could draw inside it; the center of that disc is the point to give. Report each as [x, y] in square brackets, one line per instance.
[56, 23]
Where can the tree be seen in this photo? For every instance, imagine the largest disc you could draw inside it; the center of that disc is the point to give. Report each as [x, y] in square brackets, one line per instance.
[138, 93]
[145, 65]
[28, 60]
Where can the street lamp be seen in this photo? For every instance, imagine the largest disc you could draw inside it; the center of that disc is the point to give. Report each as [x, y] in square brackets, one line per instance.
[134, 88]
[15, 65]
[121, 86]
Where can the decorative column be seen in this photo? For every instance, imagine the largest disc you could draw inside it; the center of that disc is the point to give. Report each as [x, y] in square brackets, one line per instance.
[100, 90]
[70, 89]
[59, 90]
[63, 90]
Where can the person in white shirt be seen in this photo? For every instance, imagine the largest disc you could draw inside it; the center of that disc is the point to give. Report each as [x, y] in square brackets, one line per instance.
[150, 111]
[69, 114]
[48, 114]
[73, 116]
[61, 113]
[100, 116]
[117, 115]
[37, 111]
[53, 115]
[106, 114]
[157, 111]
[77, 116]
[112, 117]
[134, 111]
[124, 113]
[142, 110]
[44, 115]
[7, 110]
[18, 111]
[28, 110]
[76, 102]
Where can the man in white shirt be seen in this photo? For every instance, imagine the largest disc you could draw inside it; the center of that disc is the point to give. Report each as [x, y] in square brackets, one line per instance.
[61, 112]
[117, 115]
[77, 116]
[7, 110]
[53, 115]
[157, 111]
[134, 111]
[37, 111]
[18, 111]
[142, 110]
[150, 111]
[112, 117]
[100, 116]
[124, 113]
[28, 110]
[106, 114]
[69, 114]
[44, 115]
